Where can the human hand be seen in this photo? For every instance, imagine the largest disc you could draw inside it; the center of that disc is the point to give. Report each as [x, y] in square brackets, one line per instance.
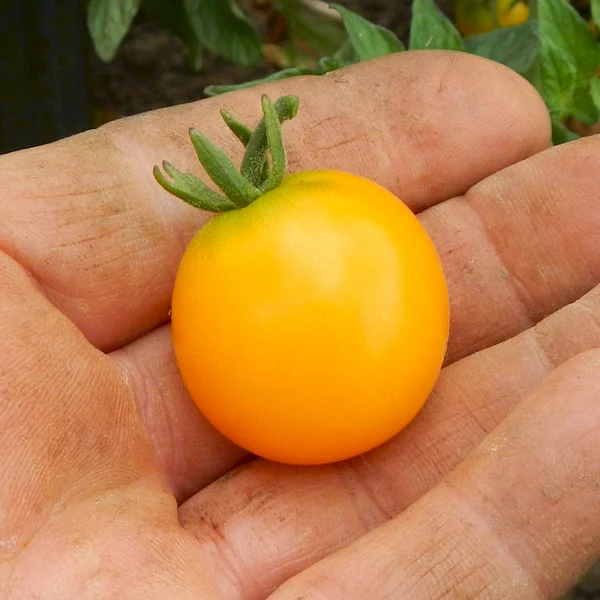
[114, 486]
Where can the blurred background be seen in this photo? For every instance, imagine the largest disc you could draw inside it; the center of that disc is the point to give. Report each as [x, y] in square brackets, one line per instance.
[68, 65]
[44, 48]
[53, 81]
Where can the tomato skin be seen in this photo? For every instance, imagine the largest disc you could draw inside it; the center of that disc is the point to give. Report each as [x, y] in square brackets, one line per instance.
[311, 326]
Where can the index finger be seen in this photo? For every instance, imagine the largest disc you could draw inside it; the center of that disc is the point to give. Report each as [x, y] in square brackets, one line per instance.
[85, 217]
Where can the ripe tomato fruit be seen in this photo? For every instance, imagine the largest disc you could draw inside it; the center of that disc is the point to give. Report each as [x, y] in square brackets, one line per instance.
[311, 325]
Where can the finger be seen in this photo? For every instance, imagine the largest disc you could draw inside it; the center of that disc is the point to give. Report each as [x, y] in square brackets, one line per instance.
[119, 543]
[518, 520]
[519, 245]
[84, 512]
[189, 450]
[516, 247]
[68, 423]
[305, 514]
[85, 217]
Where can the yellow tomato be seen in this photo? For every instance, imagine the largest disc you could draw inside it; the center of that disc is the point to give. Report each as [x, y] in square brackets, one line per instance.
[311, 325]
[474, 16]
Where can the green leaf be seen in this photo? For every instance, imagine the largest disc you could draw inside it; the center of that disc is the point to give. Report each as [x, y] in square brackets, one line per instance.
[215, 90]
[595, 8]
[345, 53]
[313, 24]
[367, 39]
[571, 50]
[595, 91]
[223, 29]
[585, 108]
[561, 23]
[108, 23]
[431, 29]
[558, 79]
[517, 47]
[561, 133]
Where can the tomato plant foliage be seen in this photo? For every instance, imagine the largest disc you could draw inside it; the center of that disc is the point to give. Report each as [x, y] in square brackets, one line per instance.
[556, 49]
[108, 22]
[431, 30]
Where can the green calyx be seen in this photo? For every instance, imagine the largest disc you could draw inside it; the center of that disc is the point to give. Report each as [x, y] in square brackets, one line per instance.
[263, 166]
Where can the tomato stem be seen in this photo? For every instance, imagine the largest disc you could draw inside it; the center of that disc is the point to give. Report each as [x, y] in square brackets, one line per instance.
[263, 166]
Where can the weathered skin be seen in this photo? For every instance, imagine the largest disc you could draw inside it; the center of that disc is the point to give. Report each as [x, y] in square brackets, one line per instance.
[113, 485]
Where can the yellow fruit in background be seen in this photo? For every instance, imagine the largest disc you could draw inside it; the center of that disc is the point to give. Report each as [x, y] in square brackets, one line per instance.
[477, 16]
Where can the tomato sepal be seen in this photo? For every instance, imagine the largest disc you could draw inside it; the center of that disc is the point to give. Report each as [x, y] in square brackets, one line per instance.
[257, 175]
[238, 129]
[254, 164]
[191, 189]
[222, 171]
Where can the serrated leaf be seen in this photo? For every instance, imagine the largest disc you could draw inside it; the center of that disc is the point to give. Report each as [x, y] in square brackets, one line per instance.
[367, 39]
[223, 29]
[558, 79]
[108, 23]
[431, 29]
[568, 43]
[560, 23]
[561, 133]
[584, 107]
[517, 47]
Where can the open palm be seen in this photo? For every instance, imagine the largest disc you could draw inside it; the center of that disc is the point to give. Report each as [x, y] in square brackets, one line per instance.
[114, 486]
